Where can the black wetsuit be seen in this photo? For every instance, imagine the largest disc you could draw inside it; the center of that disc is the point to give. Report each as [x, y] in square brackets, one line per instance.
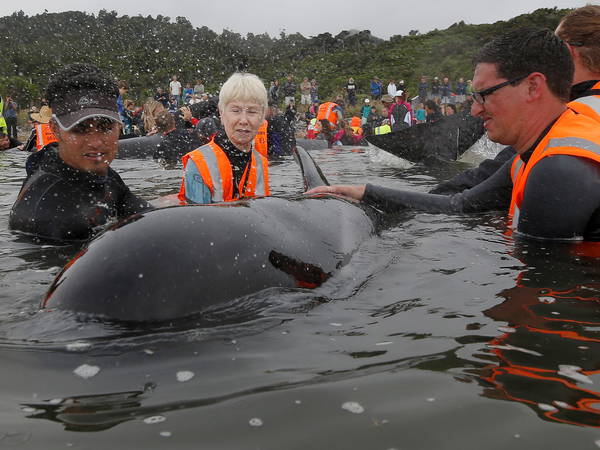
[281, 137]
[472, 177]
[177, 143]
[562, 201]
[59, 203]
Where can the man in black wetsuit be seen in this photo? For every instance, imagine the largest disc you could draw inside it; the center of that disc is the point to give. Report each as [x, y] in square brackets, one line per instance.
[581, 30]
[70, 191]
[557, 174]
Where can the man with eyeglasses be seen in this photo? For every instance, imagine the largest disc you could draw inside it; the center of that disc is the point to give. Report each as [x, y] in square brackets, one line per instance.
[580, 29]
[522, 85]
[71, 192]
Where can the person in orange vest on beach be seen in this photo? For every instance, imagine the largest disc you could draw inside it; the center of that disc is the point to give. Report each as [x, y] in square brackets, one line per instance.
[229, 167]
[42, 134]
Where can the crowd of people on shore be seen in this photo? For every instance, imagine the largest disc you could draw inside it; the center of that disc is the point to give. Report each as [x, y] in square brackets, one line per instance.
[299, 104]
[549, 106]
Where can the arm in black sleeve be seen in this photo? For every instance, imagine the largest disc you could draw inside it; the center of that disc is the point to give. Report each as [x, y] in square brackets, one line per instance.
[492, 194]
[472, 177]
[48, 208]
[30, 144]
[128, 203]
[561, 198]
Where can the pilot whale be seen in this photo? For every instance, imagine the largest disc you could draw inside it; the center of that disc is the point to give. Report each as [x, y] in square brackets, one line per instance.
[174, 262]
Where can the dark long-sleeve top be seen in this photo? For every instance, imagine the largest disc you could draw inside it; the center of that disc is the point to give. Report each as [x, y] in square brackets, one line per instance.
[60, 203]
[562, 201]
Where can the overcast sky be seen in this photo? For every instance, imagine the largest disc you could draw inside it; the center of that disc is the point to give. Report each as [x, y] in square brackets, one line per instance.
[384, 18]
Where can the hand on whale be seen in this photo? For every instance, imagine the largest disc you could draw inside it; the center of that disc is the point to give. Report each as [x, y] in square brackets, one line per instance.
[350, 192]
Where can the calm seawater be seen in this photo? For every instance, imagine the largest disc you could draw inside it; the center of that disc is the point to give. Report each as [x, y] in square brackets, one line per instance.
[442, 332]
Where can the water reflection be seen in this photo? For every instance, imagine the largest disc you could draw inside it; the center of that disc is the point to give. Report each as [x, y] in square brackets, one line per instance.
[549, 351]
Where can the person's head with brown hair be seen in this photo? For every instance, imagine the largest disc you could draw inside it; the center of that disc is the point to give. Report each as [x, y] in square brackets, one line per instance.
[165, 122]
[580, 29]
[151, 110]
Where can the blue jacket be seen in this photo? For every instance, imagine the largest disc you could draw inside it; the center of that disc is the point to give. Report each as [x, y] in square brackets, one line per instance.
[375, 88]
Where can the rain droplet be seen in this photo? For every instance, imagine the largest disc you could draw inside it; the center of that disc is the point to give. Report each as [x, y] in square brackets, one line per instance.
[353, 407]
[86, 371]
[184, 375]
[255, 422]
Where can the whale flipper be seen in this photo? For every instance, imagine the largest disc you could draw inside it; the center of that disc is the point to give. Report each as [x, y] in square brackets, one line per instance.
[311, 173]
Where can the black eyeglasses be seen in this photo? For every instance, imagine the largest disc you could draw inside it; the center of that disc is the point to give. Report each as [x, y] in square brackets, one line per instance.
[479, 96]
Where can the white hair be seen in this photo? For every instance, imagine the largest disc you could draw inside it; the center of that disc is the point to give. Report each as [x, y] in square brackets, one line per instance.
[245, 87]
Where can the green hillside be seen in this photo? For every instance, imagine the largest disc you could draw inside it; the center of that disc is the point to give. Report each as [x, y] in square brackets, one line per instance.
[146, 51]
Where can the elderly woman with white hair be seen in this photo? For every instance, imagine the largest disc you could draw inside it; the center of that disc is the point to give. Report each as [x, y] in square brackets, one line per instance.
[229, 167]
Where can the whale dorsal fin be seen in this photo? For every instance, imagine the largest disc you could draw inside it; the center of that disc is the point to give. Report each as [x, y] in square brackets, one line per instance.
[311, 172]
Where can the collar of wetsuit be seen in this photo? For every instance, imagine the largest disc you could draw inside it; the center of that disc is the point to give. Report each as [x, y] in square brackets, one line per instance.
[527, 153]
[578, 90]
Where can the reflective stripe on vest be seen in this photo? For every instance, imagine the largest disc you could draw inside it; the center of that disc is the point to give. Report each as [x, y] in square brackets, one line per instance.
[515, 170]
[383, 129]
[588, 105]
[215, 169]
[585, 145]
[43, 135]
[260, 141]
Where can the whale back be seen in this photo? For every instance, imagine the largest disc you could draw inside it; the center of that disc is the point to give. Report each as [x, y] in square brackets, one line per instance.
[173, 262]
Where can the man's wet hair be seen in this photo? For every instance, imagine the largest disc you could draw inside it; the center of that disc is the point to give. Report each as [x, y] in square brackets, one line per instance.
[526, 50]
[77, 78]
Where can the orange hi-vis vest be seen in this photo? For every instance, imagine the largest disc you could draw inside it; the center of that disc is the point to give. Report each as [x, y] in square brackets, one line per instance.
[572, 134]
[260, 141]
[327, 112]
[215, 169]
[355, 122]
[588, 106]
[43, 135]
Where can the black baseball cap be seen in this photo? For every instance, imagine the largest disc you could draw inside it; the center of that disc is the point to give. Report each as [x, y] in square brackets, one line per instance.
[81, 92]
[86, 104]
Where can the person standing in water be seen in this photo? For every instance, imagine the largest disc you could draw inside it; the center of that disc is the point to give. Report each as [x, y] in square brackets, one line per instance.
[553, 184]
[229, 167]
[71, 192]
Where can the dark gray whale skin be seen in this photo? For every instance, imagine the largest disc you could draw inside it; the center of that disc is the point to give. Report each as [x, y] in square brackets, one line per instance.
[174, 262]
[432, 143]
